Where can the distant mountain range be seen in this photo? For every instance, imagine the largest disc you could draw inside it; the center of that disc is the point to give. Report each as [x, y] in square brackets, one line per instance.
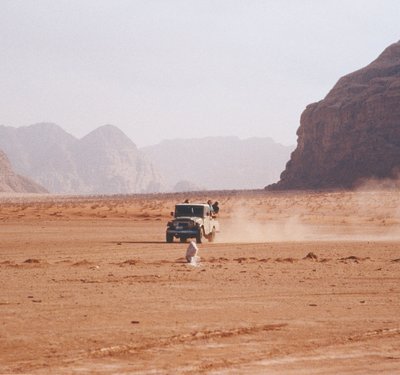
[217, 163]
[106, 161]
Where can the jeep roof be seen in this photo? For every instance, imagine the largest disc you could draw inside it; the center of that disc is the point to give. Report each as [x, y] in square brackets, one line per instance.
[191, 209]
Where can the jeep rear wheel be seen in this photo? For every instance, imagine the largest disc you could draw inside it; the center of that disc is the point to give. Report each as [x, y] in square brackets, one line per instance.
[199, 235]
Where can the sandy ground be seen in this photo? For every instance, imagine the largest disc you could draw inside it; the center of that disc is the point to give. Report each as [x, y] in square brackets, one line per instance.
[296, 283]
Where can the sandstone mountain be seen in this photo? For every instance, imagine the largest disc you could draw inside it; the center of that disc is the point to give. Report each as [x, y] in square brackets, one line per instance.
[353, 134]
[10, 182]
[105, 161]
[217, 163]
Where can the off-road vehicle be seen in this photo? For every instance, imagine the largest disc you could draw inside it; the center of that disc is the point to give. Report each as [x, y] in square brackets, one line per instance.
[192, 220]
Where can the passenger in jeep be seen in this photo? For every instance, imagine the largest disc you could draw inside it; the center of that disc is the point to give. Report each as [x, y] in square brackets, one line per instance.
[215, 207]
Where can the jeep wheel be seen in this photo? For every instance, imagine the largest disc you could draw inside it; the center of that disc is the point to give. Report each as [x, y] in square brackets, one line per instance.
[170, 238]
[211, 236]
[199, 235]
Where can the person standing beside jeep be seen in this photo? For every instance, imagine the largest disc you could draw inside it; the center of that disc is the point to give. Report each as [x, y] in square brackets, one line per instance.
[209, 202]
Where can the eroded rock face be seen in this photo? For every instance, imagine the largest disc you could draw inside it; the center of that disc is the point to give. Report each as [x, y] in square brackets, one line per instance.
[105, 161]
[353, 134]
[10, 182]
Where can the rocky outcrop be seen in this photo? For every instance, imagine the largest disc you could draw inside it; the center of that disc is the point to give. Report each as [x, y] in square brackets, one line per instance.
[186, 186]
[105, 161]
[353, 134]
[10, 182]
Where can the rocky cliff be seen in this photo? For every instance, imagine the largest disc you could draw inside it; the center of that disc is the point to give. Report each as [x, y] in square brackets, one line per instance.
[10, 182]
[105, 161]
[353, 134]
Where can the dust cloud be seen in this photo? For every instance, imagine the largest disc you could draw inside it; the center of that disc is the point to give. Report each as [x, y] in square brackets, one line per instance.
[371, 213]
[242, 226]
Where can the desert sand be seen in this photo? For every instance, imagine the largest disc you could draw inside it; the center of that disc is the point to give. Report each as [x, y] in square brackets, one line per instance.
[296, 283]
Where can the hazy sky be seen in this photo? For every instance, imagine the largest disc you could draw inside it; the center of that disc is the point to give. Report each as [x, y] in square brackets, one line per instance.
[162, 69]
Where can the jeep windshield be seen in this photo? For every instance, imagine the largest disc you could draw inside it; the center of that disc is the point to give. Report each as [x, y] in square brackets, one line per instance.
[189, 211]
